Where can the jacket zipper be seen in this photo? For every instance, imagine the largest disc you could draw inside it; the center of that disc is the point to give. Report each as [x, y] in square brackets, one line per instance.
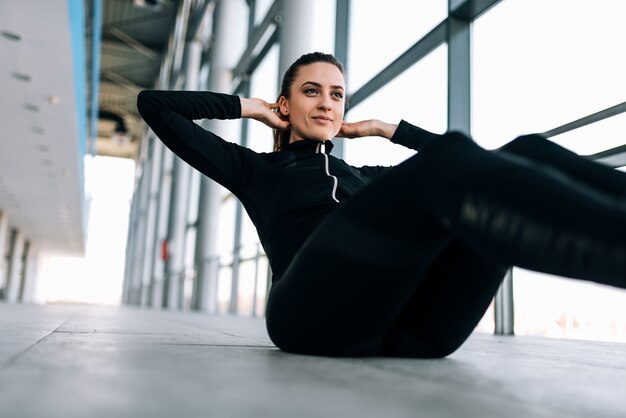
[321, 148]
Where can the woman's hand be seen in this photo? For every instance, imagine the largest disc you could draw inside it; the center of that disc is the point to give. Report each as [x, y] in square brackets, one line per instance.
[262, 111]
[371, 127]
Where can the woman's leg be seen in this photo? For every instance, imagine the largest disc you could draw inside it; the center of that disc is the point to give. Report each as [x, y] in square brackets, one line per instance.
[449, 302]
[595, 175]
[362, 266]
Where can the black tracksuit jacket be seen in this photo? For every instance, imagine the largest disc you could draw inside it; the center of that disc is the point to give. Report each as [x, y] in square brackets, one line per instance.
[285, 193]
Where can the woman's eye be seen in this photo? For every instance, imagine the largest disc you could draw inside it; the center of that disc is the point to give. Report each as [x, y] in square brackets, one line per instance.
[310, 91]
[338, 95]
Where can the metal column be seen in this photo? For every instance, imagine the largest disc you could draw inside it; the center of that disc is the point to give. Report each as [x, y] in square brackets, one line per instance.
[342, 31]
[141, 194]
[130, 247]
[165, 172]
[29, 274]
[459, 117]
[156, 149]
[15, 265]
[459, 70]
[229, 29]
[295, 40]
[503, 307]
[4, 236]
[157, 282]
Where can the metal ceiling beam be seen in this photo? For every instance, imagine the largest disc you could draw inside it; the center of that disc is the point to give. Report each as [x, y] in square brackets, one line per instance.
[240, 82]
[122, 81]
[135, 44]
[420, 49]
[587, 120]
[196, 24]
[470, 10]
[244, 64]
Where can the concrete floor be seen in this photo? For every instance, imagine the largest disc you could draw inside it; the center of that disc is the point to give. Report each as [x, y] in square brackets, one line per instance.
[85, 361]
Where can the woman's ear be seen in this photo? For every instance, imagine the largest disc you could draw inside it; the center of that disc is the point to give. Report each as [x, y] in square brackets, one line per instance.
[283, 106]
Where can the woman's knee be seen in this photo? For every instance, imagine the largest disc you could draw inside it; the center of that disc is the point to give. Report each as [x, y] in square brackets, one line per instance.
[524, 143]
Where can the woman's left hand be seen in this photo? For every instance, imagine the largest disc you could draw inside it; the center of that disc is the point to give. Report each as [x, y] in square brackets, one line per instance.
[370, 127]
[357, 129]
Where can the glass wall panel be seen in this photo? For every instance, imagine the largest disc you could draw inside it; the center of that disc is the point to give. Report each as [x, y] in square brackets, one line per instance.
[538, 65]
[261, 286]
[551, 306]
[189, 268]
[382, 31]
[224, 282]
[226, 228]
[261, 9]
[264, 85]
[245, 291]
[418, 95]
[606, 134]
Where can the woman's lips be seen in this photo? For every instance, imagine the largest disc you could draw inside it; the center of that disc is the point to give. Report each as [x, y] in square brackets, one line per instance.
[322, 119]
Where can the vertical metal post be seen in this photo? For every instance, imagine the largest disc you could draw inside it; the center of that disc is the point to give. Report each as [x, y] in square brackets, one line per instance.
[228, 30]
[294, 39]
[342, 31]
[152, 182]
[4, 236]
[139, 294]
[459, 117]
[166, 163]
[15, 265]
[180, 193]
[130, 249]
[459, 71]
[29, 274]
[504, 308]
[256, 277]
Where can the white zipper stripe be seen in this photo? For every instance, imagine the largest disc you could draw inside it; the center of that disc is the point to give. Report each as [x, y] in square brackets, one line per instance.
[334, 179]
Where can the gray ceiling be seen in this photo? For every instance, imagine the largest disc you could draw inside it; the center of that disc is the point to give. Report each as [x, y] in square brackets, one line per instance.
[133, 41]
[41, 173]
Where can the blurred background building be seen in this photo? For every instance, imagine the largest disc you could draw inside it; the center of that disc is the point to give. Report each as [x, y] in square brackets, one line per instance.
[93, 208]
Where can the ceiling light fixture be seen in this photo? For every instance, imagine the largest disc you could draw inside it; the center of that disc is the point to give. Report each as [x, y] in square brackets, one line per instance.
[11, 36]
[31, 107]
[22, 76]
[54, 100]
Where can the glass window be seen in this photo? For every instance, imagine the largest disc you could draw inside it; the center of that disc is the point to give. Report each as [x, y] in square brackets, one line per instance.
[261, 9]
[224, 282]
[418, 95]
[538, 65]
[245, 289]
[226, 228]
[264, 85]
[599, 136]
[381, 32]
[194, 196]
[551, 306]
[261, 286]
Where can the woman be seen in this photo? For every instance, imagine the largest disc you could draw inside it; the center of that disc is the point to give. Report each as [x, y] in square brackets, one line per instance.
[394, 261]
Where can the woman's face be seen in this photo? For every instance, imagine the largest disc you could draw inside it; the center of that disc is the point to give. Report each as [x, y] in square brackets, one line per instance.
[316, 106]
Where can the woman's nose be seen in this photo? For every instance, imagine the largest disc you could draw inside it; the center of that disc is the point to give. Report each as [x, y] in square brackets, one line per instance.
[324, 103]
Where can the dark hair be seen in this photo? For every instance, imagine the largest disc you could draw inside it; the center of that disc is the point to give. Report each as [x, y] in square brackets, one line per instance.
[281, 137]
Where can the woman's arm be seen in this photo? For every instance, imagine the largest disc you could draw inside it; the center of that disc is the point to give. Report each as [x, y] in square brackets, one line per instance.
[170, 114]
[403, 133]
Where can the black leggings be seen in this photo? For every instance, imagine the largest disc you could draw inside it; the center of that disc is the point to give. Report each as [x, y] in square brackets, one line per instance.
[408, 266]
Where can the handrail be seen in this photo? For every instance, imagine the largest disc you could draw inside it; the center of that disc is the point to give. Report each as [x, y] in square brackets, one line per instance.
[587, 120]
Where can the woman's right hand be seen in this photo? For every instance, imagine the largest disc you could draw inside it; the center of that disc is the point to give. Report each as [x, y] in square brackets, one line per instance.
[263, 111]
